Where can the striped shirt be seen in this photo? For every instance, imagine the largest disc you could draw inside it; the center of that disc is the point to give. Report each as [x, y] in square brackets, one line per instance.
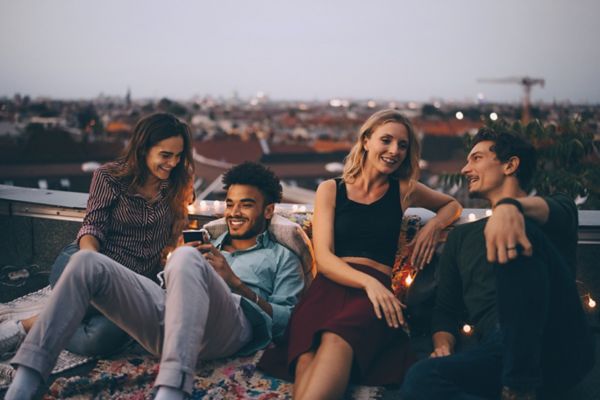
[131, 230]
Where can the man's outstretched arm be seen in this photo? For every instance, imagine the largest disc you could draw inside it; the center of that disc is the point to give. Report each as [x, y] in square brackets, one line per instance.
[505, 229]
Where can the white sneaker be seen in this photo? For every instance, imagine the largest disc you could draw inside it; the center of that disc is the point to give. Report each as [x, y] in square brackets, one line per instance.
[11, 336]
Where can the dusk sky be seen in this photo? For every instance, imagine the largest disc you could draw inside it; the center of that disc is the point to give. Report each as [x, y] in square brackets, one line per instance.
[305, 50]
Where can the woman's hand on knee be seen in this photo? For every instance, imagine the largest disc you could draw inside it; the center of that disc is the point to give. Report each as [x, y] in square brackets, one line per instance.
[385, 303]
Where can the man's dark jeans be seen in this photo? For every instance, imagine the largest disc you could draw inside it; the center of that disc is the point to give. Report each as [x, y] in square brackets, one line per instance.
[542, 340]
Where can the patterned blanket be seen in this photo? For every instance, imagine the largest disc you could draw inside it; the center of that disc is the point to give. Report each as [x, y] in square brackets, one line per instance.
[130, 376]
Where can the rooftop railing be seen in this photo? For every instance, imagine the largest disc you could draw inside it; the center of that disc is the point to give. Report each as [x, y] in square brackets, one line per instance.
[70, 206]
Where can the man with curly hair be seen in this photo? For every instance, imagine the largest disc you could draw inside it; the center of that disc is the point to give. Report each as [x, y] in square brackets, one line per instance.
[228, 297]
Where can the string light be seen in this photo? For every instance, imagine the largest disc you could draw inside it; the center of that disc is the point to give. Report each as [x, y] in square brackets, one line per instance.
[591, 303]
[467, 329]
[408, 280]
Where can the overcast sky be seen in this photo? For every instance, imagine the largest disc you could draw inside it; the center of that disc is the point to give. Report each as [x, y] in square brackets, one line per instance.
[305, 50]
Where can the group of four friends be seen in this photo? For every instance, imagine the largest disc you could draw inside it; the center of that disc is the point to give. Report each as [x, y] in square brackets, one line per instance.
[511, 275]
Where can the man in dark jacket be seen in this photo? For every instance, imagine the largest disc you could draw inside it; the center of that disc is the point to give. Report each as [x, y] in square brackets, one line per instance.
[512, 277]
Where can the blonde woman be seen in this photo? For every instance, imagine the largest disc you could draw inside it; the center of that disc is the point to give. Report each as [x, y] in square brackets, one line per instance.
[347, 327]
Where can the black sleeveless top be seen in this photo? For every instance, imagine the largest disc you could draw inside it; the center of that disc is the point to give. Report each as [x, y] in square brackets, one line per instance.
[367, 230]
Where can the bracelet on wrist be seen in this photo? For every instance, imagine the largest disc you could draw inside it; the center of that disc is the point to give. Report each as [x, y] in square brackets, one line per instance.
[510, 200]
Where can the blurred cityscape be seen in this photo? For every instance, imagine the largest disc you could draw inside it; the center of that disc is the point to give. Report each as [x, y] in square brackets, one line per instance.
[56, 144]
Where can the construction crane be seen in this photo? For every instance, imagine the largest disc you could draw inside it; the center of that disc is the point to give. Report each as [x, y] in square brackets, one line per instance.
[527, 83]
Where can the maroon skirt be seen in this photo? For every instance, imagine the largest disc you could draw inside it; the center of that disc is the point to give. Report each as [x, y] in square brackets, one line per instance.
[381, 354]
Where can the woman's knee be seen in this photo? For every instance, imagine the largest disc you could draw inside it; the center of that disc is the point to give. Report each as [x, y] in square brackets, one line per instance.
[331, 339]
[304, 361]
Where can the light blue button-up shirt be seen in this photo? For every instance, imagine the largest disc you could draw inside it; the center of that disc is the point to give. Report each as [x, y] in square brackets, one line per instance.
[275, 273]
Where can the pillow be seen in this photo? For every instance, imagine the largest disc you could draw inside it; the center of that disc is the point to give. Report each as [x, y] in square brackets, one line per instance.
[416, 289]
[403, 269]
[286, 232]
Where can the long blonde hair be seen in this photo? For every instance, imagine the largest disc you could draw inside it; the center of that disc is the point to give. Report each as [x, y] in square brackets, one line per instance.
[355, 160]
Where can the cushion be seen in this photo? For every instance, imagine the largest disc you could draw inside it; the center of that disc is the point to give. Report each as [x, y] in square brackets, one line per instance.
[286, 232]
[403, 269]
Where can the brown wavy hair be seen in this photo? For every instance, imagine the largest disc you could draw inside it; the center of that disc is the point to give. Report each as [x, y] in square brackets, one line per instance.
[132, 167]
[355, 160]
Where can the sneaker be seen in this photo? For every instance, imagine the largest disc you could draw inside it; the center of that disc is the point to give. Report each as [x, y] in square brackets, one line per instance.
[11, 336]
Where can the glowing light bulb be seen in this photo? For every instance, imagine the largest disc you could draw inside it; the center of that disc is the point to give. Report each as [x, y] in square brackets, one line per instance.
[408, 280]
[488, 212]
[459, 115]
[471, 217]
[591, 302]
[467, 329]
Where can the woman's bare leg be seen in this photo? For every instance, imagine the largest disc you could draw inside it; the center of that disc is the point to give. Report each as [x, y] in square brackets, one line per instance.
[302, 368]
[327, 375]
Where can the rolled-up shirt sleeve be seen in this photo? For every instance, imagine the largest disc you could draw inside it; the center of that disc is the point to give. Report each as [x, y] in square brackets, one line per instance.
[100, 203]
[288, 285]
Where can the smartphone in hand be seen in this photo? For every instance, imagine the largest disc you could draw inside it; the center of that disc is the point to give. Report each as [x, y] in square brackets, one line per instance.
[196, 235]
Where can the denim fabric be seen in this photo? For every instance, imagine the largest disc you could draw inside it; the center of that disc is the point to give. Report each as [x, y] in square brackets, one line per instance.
[546, 339]
[468, 375]
[97, 336]
[61, 262]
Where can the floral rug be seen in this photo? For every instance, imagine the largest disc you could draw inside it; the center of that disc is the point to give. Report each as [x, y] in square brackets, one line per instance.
[24, 307]
[130, 375]
[131, 378]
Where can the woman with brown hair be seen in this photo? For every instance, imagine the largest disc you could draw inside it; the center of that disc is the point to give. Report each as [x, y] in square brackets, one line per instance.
[136, 210]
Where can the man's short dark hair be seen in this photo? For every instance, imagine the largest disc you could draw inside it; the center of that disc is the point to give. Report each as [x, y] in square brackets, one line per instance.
[257, 175]
[509, 143]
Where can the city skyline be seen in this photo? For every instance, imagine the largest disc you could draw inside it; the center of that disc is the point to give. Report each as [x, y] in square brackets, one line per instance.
[395, 50]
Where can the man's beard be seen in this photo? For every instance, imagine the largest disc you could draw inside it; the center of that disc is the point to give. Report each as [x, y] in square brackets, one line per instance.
[254, 230]
[476, 195]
